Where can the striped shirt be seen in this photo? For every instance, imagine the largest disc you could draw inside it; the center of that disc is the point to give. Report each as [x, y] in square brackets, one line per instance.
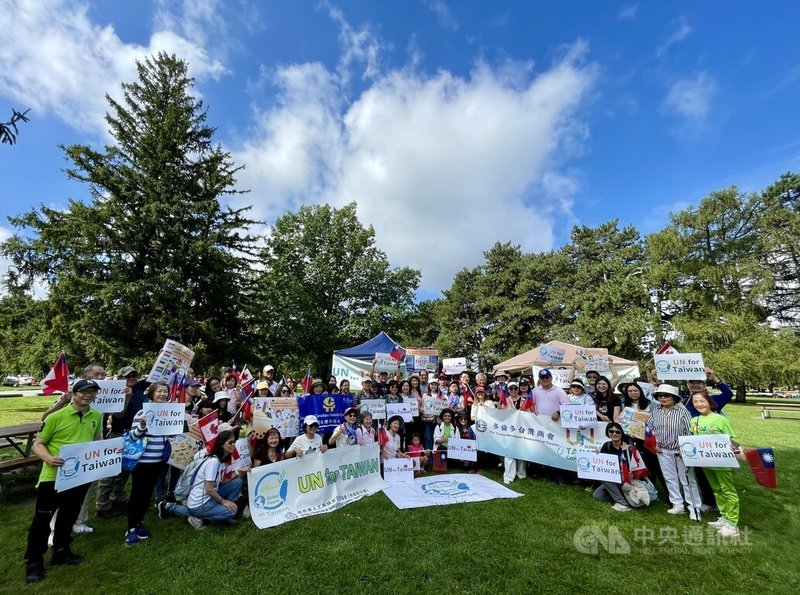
[154, 449]
[667, 425]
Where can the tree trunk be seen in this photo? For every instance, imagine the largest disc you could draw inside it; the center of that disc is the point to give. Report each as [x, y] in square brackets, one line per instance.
[741, 393]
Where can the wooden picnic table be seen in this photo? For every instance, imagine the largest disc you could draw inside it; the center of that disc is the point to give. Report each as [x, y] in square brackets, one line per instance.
[19, 437]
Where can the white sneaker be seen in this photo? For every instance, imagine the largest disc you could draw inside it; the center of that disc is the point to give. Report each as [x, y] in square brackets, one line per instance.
[246, 512]
[677, 509]
[706, 508]
[81, 529]
[621, 507]
[50, 539]
[727, 530]
[694, 515]
[196, 523]
[717, 524]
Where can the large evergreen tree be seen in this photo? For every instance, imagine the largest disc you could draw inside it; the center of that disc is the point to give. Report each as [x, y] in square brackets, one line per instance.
[325, 286]
[154, 252]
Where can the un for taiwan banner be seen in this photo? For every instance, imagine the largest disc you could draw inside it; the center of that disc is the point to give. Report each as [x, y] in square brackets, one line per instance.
[314, 484]
[329, 409]
[536, 438]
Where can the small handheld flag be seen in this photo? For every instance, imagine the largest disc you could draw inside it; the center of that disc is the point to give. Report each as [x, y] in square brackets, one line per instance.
[398, 353]
[306, 382]
[209, 427]
[762, 462]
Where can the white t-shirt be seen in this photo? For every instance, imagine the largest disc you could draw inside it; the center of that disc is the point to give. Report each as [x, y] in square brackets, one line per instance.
[209, 471]
[392, 446]
[305, 445]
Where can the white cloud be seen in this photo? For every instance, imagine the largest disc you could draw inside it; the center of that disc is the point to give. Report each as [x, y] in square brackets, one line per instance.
[690, 98]
[441, 165]
[443, 12]
[628, 13]
[73, 62]
[679, 33]
[359, 46]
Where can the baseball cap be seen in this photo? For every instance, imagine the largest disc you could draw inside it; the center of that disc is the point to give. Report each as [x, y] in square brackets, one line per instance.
[82, 385]
[262, 385]
[310, 420]
[127, 370]
[192, 382]
[545, 373]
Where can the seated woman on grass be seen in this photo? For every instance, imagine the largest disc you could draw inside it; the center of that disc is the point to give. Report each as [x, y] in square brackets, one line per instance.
[212, 499]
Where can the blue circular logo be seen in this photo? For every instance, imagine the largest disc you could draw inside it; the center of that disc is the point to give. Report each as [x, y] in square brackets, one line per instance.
[584, 464]
[70, 467]
[270, 491]
[481, 426]
[689, 451]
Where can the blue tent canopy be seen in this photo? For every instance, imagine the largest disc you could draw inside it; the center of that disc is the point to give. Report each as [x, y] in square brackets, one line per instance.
[380, 343]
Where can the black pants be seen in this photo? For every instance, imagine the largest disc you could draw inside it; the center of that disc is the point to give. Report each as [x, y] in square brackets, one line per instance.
[145, 476]
[48, 501]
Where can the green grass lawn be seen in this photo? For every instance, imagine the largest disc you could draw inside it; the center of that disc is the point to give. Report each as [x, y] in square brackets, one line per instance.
[501, 546]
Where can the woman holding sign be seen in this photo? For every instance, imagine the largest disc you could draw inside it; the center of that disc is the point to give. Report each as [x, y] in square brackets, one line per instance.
[615, 446]
[721, 480]
[149, 468]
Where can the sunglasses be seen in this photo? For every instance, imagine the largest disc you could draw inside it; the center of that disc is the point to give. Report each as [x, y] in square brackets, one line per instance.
[614, 432]
[350, 415]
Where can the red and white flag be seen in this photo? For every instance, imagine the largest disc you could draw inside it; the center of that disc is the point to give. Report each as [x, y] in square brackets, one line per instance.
[57, 379]
[209, 428]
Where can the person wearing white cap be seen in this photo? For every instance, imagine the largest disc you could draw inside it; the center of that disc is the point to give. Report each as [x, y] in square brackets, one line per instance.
[668, 422]
[309, 441]
[268, 376]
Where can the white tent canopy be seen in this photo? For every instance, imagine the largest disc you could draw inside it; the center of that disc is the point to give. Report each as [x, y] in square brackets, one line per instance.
[531, 360]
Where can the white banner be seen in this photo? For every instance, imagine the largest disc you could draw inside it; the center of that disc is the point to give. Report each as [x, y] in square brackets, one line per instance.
[173, 359]
[182, 448]
[377, 407]
[354, 370]
[575, 416]
[401, 409]
[708, 450]
[551, 354]
[441, 490]
[454, 365]
[680, 366]
[398, 470]
[314, 484]
[110, 397]
[88, 461]
[600, 467]
[164, 419]
[535, 438]
[462, 449]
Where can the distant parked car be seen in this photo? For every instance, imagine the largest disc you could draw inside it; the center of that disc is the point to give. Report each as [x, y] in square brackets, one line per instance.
[26, 380]
[10, 381]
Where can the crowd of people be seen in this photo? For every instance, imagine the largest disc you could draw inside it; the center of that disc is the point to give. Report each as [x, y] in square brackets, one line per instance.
[211, 491]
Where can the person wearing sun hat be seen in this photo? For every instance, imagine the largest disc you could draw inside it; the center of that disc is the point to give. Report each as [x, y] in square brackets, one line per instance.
[668, 422]
[500, 385]
[309, 441]
[345, 434]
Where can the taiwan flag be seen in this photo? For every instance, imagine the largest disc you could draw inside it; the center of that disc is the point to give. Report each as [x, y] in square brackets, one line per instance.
[398, 353]
[666, 349]
[527, 403]
[306, 382]
[57, 379]
[762, 462]
[650, 440]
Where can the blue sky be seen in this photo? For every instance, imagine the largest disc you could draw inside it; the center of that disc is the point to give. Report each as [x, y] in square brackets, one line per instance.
[483, 120]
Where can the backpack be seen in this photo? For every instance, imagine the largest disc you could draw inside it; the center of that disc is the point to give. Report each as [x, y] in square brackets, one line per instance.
[188, 477]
